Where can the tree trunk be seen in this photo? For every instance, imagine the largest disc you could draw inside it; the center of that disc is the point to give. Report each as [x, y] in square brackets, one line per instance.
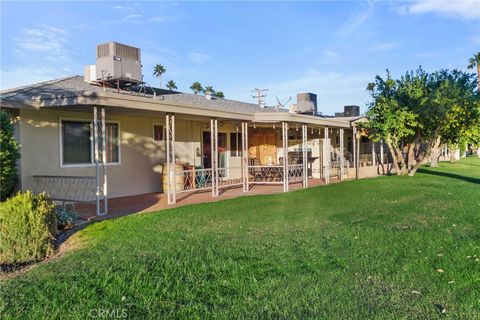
[394, 156]
[435, 153]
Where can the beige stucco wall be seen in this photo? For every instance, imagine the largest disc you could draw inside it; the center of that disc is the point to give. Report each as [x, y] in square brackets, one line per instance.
[140, 166]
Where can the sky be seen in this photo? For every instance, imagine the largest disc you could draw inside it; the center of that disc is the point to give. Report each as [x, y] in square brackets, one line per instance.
[331, 48]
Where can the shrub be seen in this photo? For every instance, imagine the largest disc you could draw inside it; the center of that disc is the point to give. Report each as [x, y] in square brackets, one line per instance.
[27, 228]
[9, 154]
[66, 217]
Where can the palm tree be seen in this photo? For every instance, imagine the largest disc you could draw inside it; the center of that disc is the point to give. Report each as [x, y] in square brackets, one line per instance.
[209, 89]
[475, 61]
[196, 87]
[171, 85]
[158, 70]
[219, 94]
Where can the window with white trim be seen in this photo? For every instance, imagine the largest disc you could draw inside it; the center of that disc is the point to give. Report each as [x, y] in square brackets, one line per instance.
[77, 142]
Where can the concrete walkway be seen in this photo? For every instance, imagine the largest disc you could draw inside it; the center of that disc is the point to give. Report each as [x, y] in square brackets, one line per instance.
[118, 207]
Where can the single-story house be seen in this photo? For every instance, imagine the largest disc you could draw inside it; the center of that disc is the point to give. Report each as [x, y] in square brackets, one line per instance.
[84, 140]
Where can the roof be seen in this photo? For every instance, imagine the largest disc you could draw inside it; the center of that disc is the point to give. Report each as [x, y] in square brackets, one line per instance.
[75, 85]
[75, 92]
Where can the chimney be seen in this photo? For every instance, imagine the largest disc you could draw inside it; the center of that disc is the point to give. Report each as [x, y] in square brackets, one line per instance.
[208, 95]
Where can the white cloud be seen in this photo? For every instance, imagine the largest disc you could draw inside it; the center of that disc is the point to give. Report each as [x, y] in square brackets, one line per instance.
[20, 76]
[464, 9]
[356, 20]
[198, 58]
[382, 46]
[48, 41]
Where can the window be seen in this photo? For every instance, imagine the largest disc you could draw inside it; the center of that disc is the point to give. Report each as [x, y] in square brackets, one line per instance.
[111, 142]
[77, 142]
[77, 146]
[157, 132]
[236, 144]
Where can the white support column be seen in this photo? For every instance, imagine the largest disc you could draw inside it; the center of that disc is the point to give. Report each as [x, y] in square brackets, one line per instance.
[354, 150]
[214, 155]
[171, 164]
[374, 161]
[381, 153]
[327, 156]
[245, 173]
[304, 155]
[104, 162]
[96, 158]
[285, 155]
[342, 155]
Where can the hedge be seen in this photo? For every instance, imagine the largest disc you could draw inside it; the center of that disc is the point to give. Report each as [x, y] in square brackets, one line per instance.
[27, 228]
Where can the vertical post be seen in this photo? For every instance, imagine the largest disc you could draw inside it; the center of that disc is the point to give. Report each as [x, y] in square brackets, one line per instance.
[374, 162]
[245, 156]
[104, 162]
[381, 153]
[342, 157]
[97, 169]
[327, 156]
[214, 155]
[285, 155]
[304, 155]
[171, 168]
[354, 150]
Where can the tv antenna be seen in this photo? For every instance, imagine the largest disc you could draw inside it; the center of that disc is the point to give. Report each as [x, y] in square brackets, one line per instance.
[260, 96]
[282, 105]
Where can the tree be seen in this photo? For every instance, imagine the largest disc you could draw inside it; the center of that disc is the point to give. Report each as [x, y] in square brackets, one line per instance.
[9, 154]
[419, 112]
[158, 70]
[196, 87]
[475, 61]
[171, 85]
[219, 94]
[209, 89]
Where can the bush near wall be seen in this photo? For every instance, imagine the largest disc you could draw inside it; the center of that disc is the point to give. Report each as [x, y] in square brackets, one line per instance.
[9, 154]
[27, 228]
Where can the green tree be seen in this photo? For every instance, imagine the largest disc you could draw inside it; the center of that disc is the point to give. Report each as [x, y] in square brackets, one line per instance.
[9, 154]
[475, 62]
[419, 112]
[209, 89]
[171, 85]
[158, 70]
[196, 87]
[219, 94]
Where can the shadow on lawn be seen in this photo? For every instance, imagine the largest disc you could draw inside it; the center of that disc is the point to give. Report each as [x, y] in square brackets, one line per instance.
[450, 175]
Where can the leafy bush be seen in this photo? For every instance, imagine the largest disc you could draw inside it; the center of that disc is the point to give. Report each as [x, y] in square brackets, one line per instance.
[66, 217]
[27, 228]
[9, 154]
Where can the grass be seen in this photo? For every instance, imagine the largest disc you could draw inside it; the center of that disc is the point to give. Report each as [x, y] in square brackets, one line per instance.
[372, 248]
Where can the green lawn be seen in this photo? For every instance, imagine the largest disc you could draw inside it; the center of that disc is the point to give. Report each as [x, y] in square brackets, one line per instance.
[360, 249]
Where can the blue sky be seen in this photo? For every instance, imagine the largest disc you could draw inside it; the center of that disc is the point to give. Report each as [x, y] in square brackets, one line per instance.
[330, 48]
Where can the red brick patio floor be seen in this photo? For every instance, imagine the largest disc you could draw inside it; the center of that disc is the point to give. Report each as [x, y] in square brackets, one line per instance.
[118, 207]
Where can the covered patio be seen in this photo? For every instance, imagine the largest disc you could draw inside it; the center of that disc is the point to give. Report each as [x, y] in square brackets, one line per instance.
[122, 206]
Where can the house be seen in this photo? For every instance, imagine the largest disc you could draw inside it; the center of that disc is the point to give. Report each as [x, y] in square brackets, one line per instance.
[100, 136]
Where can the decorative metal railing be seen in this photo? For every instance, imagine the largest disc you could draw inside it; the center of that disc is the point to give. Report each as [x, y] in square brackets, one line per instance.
[295, 172]
[66, 188]
[193, 180]
[266, 174]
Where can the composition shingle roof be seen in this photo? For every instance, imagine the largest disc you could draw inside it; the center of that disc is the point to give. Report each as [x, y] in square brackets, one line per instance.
[74, 86]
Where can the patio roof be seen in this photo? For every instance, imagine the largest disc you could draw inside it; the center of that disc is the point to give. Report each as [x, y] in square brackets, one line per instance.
[75, 94]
